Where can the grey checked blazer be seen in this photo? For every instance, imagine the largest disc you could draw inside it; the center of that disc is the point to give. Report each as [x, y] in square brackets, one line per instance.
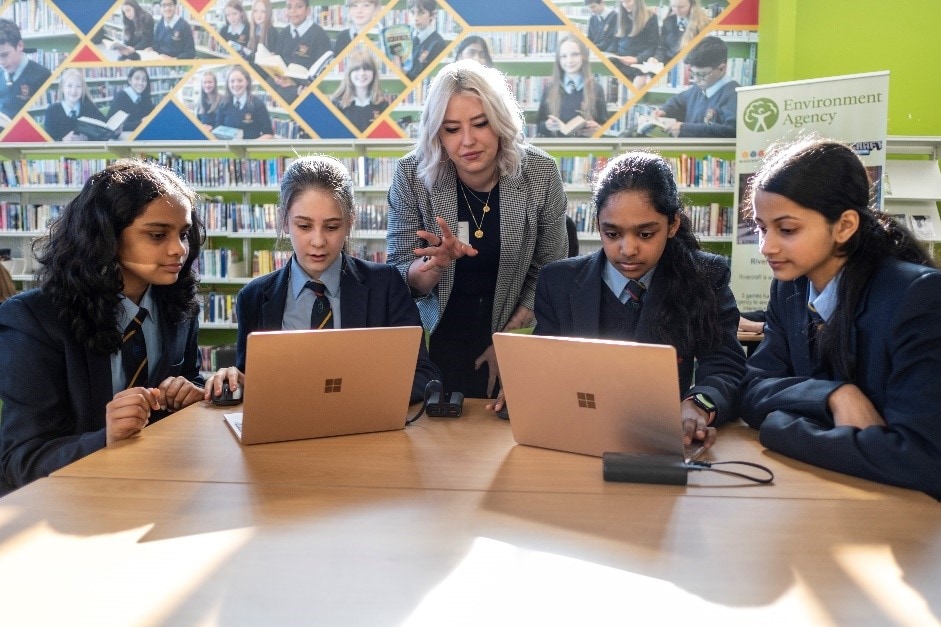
[532, 230]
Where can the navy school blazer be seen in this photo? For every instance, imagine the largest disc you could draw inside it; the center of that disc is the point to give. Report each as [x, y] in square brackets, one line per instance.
[371, 295]
[55, 390]
[568, 303]
[897, 339]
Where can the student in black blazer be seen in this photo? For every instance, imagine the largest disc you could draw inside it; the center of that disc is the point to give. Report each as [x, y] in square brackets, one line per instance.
[173, 35]
[138, 30]
[61, 119]
[316, 210]
[427, 42]
[134, 99]
[572, 92]
[243, 110]
[847, 375]
[651, 283]
[128, 240]
[21, 77]
[302, 41]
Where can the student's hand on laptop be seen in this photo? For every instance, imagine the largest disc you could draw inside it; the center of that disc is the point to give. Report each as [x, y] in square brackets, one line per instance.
[178, 392]
[231, 375]
[695, 425]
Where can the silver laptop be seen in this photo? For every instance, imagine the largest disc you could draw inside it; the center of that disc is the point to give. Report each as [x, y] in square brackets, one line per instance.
[313, 384]
[592, 396]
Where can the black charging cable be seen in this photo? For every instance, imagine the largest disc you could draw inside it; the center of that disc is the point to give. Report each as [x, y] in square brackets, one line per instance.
[704, 465]
[432, 387]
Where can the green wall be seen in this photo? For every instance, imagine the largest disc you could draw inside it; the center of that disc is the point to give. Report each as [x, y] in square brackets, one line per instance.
[801, 39]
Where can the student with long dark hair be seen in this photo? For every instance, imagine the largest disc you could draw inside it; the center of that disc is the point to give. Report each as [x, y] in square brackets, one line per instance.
[316, 211]
[573, 91]
[651, 283]
[107, 342]
[138, 30]
[134, 99]
[847, 374]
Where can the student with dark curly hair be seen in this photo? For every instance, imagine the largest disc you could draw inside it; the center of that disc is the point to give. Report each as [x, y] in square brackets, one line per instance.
[651, 283]
[847, 374]
[107, 342]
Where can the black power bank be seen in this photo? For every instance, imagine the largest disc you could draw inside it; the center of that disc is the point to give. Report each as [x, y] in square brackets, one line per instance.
[640, 468]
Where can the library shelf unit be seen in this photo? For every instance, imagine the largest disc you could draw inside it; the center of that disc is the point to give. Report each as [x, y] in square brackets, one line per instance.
[240, 180]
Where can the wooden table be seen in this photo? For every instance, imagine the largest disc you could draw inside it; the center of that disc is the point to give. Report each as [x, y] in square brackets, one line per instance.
[450, 523]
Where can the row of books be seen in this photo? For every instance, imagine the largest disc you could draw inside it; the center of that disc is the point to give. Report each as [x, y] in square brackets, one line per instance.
[214, 357]
[34, 17]
[62, 171]
[712, 220]
[27, 218]
[702, 172]
[217, 307]
[220, 263]
[226, 171]
[267, 261]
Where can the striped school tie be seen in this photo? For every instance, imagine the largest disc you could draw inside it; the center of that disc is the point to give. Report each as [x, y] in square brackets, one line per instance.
[321, 315]
[635, 290]
[814, 325]
[134, 351]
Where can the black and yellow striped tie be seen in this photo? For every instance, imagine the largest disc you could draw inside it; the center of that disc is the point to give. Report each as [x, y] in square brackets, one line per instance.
[321, 315]
[134, 351]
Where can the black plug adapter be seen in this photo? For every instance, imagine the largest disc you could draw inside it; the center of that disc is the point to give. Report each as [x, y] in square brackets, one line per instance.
[444, 404]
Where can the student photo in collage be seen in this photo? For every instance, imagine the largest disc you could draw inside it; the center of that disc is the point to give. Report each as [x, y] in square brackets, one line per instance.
[301, 41]
[209, 99]
[236, 30]
[474, 47]
[23, 77]
[173, 34]
[359, 14]
[685, 20]
[138, 31]
[573, 91]
[241, 109]
[636, 40]
[360, 96]
[427, 42]
[72, 102]
[133, 98]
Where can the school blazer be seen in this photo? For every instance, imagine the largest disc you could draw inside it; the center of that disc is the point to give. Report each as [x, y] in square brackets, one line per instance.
[55, 390]
[568, 303]
[371, 295]
[532, 230]
[897, 340]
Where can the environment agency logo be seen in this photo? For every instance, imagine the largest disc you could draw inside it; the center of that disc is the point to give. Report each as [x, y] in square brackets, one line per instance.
[761, 115]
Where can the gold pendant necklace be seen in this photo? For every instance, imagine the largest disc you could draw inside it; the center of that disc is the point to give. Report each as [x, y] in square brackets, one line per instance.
[479, 233]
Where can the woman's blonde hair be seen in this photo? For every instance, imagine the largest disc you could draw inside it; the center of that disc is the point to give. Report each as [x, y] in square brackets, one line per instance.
[503, 113]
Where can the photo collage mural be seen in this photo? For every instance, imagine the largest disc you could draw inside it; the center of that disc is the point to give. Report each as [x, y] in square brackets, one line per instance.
[226, 70]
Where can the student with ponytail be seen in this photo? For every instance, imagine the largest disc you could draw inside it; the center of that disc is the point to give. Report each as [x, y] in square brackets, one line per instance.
[847, 375]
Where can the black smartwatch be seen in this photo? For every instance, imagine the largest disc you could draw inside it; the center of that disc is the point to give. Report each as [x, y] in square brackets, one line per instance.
[705, 403]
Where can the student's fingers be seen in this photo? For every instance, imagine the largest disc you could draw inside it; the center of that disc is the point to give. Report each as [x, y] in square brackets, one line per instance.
[693, 429]
[170, 389]
[126, 415]
[189, 394]
[710, 439]
[497, 404]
